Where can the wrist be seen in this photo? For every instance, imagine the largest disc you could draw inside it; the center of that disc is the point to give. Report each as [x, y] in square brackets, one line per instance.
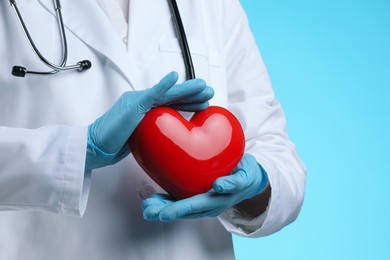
[96, 158]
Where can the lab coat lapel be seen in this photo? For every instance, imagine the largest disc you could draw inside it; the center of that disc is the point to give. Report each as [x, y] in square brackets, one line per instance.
[87, 21]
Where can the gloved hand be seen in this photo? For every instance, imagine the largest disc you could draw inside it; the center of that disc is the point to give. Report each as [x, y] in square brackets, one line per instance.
[247, 180]
[108, 135]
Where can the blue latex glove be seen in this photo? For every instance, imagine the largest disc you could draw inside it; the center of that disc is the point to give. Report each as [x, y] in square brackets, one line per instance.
[247, 180]
[108, 135]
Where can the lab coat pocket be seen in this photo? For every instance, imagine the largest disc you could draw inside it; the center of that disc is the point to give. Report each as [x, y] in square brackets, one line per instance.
[197, 47]
[171, 51]
[207, 64]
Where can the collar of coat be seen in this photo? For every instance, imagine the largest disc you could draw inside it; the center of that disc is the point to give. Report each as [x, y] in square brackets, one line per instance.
[148, 20]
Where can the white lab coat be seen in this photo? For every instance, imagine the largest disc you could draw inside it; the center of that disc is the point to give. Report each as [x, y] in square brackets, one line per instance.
[43, 131]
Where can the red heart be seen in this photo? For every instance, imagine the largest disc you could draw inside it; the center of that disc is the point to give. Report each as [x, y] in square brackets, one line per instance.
[183, 157]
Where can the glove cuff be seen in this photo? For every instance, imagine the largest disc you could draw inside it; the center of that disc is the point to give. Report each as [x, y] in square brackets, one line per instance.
[264, 179]
[96, 158]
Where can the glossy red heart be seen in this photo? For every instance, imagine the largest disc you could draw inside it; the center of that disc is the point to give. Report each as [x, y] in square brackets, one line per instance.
[185, 157]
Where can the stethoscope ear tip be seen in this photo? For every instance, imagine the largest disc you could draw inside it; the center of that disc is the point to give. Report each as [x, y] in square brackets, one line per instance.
[84, 65]
[19, 71]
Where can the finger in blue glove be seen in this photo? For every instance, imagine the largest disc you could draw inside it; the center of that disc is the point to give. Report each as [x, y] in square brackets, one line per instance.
[246, 181]
[108, 135]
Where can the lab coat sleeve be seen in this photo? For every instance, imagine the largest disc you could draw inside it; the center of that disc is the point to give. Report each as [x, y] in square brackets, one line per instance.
[43, 169]
[251, 99]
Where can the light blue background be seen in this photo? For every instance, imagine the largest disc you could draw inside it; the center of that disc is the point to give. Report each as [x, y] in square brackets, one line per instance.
[330, 66]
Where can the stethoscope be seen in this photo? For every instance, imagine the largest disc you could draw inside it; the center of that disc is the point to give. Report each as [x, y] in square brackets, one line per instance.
[84, 65]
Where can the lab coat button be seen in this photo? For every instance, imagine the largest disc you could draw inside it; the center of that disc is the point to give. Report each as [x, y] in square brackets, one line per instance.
[146, 191]
[124, 39]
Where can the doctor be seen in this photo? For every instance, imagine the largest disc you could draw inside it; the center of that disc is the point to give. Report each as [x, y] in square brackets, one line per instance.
[62, 136]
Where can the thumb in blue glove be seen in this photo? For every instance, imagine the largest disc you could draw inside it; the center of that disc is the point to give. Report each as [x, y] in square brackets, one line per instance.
[108, 135]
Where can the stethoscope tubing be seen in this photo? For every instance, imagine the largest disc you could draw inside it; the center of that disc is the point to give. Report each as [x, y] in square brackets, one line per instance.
[86, 64]
[190, 71]
[55, 67]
